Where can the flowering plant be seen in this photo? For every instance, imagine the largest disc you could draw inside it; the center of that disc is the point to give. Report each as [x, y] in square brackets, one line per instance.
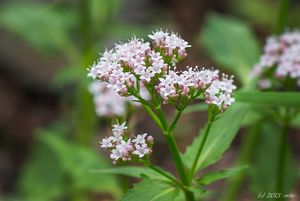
[279, 66]
[131, 66]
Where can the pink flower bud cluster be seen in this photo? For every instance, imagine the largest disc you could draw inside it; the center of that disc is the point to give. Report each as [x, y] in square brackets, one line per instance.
[217, 90]
[281, 58]
[108, 103]
[128, 65]
[123, 148]
[171, 45]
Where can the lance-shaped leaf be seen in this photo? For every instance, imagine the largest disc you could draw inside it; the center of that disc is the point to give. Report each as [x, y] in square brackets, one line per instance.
[290, 99]
[152, 190]
[211, 177]
[134, 171]
[231, 44]
[219, 138]
[77, 161]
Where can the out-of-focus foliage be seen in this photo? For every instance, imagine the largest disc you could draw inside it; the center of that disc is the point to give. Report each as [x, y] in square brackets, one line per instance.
[58, 167]
[44, 27]
[264, 14]
[264, 169]
[231, 44]
[42, 177]
[289, 99]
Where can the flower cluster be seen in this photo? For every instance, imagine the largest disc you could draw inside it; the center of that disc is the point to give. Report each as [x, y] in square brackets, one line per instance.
[108, 103]
[136, 62]
[125, 149]
[280, 60]
[217, 90]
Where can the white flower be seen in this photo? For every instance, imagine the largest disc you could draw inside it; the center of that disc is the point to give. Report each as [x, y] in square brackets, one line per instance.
[115, 154]
[140, 139]
[141, 150]
[117, 136]
[124, 147]
[119, 128]
[106, 142]
[158, 36]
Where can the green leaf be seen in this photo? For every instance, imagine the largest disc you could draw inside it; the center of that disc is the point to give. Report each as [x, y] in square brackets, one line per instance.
[44, 27]
[290, 99]
[42, 177]
[264, 169]
[296, 121]
[151, 190]
[230, 43]
[263, 16]
[219, 139]
[77, 161]
[211, 177]
[133, 171]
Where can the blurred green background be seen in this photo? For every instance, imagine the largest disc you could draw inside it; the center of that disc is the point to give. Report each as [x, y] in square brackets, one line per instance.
[49, 130]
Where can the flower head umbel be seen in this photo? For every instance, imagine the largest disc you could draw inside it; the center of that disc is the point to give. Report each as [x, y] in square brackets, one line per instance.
[130, 67]
[280, 63]
[123, 148]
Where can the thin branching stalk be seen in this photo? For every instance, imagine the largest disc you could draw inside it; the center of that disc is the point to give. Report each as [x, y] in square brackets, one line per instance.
[207, 129]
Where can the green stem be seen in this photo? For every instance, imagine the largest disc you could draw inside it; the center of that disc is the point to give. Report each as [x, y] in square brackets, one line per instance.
[164, 174]
[153, 116]
[84, 105]
[189, 196]
[207, 129]
[281, 159]
[177, 158]
[173, 125]
[162, 118]
[179, 165]
[234, 183]
[283, 6]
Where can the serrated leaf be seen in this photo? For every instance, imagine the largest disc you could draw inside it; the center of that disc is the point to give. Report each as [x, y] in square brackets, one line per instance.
[77, 161]
[231, 44]
[290, 99]
[219, 139]
[211, 177]
[134, 171]
[151, 190]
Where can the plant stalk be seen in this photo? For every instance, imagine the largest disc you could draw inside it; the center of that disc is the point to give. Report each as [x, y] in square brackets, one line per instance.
[283, 6]
[164, 174]
[175, 152]
[244, 158]
[173, 125]
[282, 159]
[179, 165]
[207, 129]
